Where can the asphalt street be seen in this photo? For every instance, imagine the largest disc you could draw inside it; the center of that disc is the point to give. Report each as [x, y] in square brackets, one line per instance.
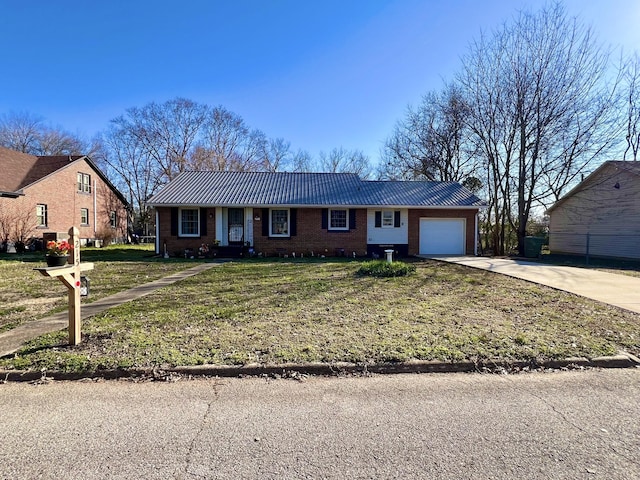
[550, 425]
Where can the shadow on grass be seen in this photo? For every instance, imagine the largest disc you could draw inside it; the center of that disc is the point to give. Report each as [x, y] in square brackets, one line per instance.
[115, 253]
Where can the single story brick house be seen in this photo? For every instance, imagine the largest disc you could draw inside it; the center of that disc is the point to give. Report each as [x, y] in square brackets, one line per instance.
[43, 196]
[314, 213]
[601, 215]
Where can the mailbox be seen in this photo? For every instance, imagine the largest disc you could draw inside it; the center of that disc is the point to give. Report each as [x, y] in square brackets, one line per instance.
[84, 286]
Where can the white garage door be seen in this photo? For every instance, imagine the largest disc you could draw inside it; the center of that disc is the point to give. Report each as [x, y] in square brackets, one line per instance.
[442, 236]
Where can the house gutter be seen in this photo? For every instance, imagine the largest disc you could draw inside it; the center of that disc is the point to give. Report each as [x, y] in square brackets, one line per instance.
[157, 232]
[235, 205]
[95, 208]
[475, 230]
[11, 194]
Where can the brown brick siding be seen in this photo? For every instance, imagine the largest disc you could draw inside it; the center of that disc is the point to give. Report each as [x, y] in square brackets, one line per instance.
[311, 237]
[414, 226]
[59, 193]
[177, 245]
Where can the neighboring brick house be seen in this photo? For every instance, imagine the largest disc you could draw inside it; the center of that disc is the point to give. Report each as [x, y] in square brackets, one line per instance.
[49, 194]
[319, 213]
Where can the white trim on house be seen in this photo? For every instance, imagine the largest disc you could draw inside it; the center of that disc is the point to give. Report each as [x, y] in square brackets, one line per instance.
[219, 233]
[248, 229]
[329, 219]
[287, 225]
[181, 234]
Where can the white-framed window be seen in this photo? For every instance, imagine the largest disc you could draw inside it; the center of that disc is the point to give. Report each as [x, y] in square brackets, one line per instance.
[41, 215]
[84, 216]
[189, 222]
[113, 219]
[387, 219]
[279, 222]
[338, 219]
[84, 182]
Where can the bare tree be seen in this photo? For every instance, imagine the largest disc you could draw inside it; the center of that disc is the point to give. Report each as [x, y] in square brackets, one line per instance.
[277, 155]
[28, 133]
[631, 83]
[17, 224]
[164, 133]
[301, 161]
[227, 143]
[130, 167]
[20, 131]
[432, 141]
[148, 146]
[340, 160]
[540, 111]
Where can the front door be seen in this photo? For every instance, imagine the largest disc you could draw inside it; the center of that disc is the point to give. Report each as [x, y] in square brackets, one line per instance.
[236, 226]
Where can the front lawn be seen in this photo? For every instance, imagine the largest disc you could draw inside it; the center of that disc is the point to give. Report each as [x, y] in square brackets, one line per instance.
[26, 295]
[274, 312]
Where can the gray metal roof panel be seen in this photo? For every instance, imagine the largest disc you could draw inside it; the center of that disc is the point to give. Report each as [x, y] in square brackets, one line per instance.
[267, 188]
[420, 193]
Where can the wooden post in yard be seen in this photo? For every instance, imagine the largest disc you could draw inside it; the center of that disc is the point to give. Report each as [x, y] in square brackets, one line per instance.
[70, 276]
[75, 319]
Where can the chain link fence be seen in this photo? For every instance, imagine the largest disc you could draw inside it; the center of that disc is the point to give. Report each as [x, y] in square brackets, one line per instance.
[606, 245]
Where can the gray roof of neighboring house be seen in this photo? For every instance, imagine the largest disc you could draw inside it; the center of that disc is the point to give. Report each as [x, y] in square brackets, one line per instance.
[307, 189]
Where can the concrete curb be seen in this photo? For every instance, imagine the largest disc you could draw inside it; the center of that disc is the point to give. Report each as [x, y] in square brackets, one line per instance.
[622, 360]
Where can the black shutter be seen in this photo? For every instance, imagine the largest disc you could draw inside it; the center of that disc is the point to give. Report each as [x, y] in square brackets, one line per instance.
[293, 213]
[378, 219]
[352, 219]
[325, 218]
[396, 218]
[203, 222]
[174, 221]
[265, 222]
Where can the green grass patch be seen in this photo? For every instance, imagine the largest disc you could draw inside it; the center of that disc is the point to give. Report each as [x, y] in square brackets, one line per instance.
[26, 295]
[273, 312]
[382, 268]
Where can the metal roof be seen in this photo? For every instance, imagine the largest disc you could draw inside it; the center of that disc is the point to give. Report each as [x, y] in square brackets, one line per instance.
[306, 189]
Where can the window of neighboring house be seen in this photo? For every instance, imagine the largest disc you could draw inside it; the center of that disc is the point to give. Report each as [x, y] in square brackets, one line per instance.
[387, 219]
[84, 183]
[41, 215]
[338, 220]
[84, 216]
[279, 223]
[189, 224]
[113, 219]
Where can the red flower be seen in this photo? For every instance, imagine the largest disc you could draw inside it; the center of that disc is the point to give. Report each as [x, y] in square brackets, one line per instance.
[61, 247]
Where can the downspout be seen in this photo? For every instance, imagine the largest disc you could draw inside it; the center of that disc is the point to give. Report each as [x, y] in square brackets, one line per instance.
[95, 208]
[475, 243]
[157, 232]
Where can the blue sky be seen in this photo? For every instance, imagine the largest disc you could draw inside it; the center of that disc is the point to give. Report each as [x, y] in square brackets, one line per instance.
[319, 73]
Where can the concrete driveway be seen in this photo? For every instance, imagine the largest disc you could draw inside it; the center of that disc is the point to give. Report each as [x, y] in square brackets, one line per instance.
[619, 290]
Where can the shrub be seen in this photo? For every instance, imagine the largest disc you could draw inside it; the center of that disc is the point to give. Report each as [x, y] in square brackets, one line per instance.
[105, 235]
[381, 268]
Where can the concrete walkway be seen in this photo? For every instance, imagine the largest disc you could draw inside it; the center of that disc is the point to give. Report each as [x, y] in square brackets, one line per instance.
[619, 290]
[12, 340]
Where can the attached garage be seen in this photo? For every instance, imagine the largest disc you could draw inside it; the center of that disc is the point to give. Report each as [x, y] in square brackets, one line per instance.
[442, 236]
